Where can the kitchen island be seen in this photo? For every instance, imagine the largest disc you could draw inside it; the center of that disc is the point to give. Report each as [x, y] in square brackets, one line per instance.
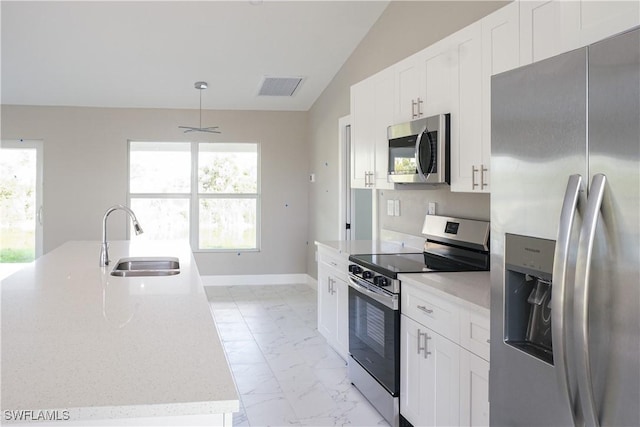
[83, 347]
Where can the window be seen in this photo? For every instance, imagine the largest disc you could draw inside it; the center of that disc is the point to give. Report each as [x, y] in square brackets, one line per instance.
[207, 193]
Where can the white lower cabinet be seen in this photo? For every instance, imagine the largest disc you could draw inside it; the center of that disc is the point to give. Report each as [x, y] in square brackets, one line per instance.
[474, 390]
[333, 300]
[444, 379]
[429, 376]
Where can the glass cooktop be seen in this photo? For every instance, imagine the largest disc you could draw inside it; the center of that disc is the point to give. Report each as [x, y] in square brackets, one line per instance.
[392, 264]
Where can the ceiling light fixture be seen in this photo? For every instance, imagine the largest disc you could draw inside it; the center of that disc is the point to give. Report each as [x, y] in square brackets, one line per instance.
[211, 129]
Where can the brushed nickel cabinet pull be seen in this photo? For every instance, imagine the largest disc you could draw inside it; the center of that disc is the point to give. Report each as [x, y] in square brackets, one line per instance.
[474, 184]
[425, 309]
[483, 184]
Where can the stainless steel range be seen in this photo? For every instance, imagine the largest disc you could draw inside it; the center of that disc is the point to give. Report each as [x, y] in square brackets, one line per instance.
[452, 244]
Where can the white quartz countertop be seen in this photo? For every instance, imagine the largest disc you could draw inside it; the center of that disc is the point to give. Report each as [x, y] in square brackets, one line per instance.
[464, 287]
[76, 339]
[352, 247]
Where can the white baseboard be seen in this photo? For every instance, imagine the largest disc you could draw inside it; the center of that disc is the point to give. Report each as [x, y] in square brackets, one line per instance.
[259, 279]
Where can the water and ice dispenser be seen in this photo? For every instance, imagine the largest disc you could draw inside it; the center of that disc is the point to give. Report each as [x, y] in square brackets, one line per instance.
[527, 296]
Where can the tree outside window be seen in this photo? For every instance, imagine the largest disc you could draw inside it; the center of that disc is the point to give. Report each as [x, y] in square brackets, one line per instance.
[207, 193]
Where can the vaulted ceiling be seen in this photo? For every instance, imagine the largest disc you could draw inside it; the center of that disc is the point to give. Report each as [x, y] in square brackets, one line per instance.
[149, 54]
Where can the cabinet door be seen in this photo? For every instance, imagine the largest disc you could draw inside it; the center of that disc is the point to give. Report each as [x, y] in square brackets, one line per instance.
[440, 79]
[466, 125]
[593, 21]
[445, 355]
[416, 375]
[475, 332]
[409, 89]
[362, 138]
[327, 306]
[342, 317]
[553, 27]
[474, 390]
[384, 97]
[500, 52]
[429, 376]
[542, 33]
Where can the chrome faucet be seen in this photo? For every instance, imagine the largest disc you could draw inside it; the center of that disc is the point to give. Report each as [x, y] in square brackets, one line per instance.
[104, 250]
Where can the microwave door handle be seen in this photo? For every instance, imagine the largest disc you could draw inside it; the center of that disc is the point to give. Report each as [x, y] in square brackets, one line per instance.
[560, 288]
[581, 302]
[421, 174]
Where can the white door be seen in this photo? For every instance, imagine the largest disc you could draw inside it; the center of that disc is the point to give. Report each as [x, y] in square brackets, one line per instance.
[20, 201]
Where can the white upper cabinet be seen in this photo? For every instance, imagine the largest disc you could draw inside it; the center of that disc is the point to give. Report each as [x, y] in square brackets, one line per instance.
[362, 116]
[498, 49]
[410, 91]
[485, 48]
[440, 80]
[466, 106]
[424, 83]
[384, 97]
[597, 20]
[548, 28]
[454, 76]
[542, 34]
[372, 109]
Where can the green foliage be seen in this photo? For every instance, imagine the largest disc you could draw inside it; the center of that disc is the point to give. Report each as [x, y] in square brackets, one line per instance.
[9, 255]
[228, 173]
[17, 204]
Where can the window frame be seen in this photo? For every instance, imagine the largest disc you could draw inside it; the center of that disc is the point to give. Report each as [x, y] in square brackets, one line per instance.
[194, 196]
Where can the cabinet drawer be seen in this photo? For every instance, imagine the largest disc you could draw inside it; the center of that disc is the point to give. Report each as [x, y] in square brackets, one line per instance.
[431, 311]
[474, 332]
[335, 261]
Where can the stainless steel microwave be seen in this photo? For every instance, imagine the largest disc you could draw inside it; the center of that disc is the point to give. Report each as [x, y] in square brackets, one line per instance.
[419, 151]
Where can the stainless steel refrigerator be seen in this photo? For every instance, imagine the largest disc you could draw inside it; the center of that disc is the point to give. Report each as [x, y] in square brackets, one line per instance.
[565, 238]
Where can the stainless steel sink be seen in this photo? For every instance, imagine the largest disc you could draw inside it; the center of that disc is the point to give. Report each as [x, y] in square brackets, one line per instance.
[146, 266]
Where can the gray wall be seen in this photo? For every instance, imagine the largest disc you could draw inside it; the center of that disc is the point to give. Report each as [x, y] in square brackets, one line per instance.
[85, 172]
[414, 203]
[85, 163]
[402, 30]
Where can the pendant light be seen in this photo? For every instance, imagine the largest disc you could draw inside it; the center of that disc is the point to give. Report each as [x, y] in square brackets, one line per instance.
[211, 129]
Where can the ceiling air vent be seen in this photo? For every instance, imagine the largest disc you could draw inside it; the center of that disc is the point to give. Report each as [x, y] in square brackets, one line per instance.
[279, 86]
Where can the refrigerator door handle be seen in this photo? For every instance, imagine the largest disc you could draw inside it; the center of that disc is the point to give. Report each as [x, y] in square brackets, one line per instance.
[560, 289]
[581, 301]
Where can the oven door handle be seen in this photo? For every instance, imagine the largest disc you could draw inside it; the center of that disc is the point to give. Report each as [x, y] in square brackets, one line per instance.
[386, 300]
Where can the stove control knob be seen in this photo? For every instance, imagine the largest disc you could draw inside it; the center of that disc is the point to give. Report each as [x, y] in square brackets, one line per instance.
[367, 275]
[381, 281]
[355, 269]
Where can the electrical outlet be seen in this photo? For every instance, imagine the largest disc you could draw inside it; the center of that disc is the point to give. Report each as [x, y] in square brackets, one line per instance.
[432, 208]
[396, 207]
[390, 208]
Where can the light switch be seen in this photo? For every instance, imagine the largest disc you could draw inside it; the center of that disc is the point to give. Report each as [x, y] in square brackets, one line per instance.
[432, 208]
[396, 207]
[390, 208]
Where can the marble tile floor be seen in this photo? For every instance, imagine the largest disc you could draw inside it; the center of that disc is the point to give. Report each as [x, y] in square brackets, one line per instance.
[285, 371]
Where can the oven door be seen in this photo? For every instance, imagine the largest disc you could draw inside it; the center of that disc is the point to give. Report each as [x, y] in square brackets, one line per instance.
[374, 332]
